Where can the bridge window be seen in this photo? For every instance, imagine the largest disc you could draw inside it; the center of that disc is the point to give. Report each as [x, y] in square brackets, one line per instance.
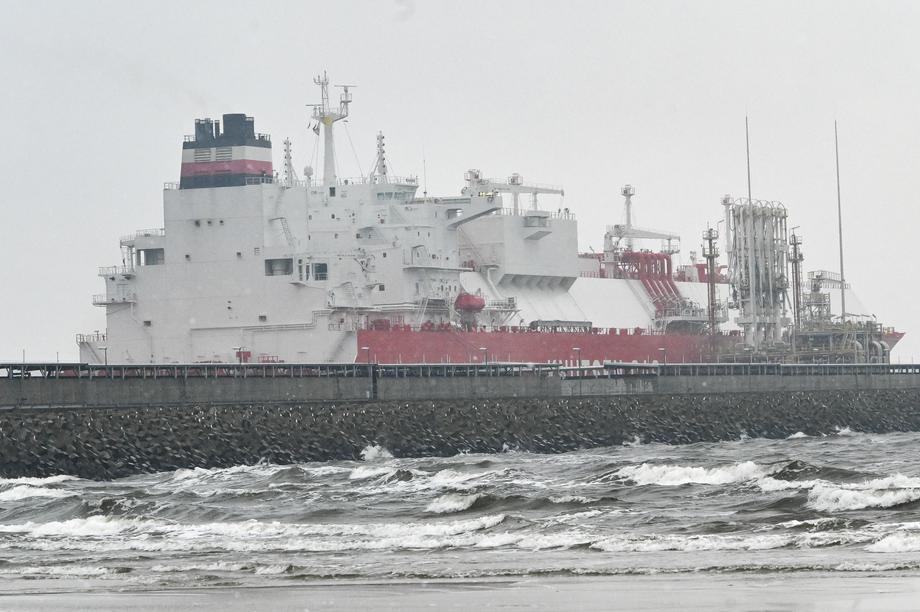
[279, 267]
[320, 271]
[150, 257]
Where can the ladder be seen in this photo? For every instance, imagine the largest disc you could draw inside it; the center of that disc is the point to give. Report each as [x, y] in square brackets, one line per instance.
[285, 229]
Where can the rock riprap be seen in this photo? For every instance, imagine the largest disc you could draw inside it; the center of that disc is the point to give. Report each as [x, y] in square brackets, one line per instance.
[105, 443]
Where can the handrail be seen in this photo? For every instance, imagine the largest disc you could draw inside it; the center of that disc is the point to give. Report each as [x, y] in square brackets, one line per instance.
[115, 270]
[613, 370]
[103, 299]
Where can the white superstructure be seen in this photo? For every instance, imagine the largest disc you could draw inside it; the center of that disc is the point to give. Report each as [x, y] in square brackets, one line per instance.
[256, 265]
[270, 268]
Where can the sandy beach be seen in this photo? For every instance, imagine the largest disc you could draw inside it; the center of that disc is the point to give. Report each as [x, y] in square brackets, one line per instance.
[698, 592]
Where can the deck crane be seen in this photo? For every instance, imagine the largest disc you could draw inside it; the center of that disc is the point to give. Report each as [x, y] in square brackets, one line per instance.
[477, 184]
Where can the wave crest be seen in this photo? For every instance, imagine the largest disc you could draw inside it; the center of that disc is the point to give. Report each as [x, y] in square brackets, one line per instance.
[670, 475]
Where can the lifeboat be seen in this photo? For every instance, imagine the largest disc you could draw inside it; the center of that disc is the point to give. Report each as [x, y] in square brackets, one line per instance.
[467, 302]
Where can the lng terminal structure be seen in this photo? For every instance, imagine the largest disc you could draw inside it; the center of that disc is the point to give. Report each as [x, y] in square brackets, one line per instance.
[256, 264]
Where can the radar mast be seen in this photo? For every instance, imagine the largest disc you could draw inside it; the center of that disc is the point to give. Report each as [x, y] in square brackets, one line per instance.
[325, 115]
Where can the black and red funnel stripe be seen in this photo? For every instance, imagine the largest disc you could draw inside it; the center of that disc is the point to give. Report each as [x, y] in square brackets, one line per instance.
[232, 157]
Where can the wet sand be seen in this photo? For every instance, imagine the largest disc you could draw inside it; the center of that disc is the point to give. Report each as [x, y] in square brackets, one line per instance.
[775, 592]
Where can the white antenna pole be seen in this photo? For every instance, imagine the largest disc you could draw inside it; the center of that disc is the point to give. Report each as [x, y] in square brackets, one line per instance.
[747, 144]
[843, 297]
[424, 174]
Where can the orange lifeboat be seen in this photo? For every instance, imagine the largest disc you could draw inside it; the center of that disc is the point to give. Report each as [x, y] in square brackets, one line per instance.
[467, 302]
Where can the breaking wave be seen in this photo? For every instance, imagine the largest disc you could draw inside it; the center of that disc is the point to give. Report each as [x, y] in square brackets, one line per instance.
[375, 453]
[899, 542]
[835, 503]
[26, 491]
[675, 475]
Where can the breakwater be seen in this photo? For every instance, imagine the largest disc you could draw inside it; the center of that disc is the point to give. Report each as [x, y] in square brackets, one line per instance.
[109, 442]
[82, 385]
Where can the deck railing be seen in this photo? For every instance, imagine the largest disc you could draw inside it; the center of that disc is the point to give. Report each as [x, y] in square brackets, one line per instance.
[439, 370]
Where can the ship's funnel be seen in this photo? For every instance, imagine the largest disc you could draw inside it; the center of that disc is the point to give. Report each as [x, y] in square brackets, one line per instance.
[233, 157]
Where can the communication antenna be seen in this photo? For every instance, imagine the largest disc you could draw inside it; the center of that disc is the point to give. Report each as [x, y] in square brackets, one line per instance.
[424, 174]
[843, 297]
[747, 144]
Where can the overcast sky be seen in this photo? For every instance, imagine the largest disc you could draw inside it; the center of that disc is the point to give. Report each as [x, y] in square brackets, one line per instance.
[590, 95]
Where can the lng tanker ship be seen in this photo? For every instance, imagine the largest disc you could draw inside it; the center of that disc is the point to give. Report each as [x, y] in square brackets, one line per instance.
[256, 264]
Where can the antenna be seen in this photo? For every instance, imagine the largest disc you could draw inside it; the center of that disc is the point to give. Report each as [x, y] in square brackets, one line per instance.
[424, 174]
[747, 144]
[843, 297]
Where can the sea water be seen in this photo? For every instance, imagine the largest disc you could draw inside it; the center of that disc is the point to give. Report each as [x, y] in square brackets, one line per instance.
[840, 504]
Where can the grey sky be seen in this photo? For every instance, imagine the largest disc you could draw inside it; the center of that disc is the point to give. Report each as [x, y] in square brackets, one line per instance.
[590, 95]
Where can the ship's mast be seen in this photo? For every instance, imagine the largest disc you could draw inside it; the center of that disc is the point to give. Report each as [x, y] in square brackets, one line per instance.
[754, 337]
[711, 253]
[843, 294]
[326, 116]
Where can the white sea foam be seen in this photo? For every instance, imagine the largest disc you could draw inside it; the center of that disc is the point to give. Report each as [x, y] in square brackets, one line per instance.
[26, 491]
[575, 517]
[58, 570]
[797, 435]
[636, 441]
[833, 499]
[769, 484]
[452, 503]
[375, 453]
[816, 523]
[572, 499]
[37, 482]
[453, 478]
[200, 474]
[363, 473]
[272, 570]
[219, 566]
[667, 542]
[100, 533]
[871, 567]
[844, 431]
[878, 493]
[324, 470]
[672, 475]
[901, 541]
[729, 542]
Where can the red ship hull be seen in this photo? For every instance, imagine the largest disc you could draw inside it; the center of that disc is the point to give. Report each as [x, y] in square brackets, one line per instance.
[407, 346]
[404, 346]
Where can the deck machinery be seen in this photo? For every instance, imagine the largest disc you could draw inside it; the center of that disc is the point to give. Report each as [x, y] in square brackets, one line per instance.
[760, 255]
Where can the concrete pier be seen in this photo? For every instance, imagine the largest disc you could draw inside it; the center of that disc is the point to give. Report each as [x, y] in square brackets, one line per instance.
[112, 422]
